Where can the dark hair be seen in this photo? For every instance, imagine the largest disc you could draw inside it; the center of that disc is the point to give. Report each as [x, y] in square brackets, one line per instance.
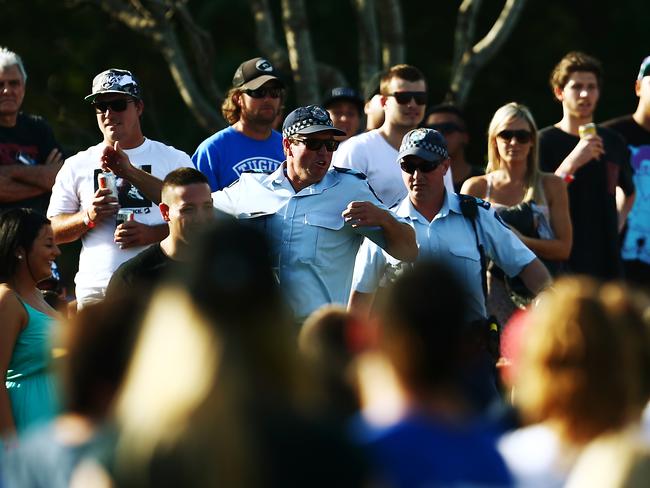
[445, 108]
[19, 227]
[423, 311]
[572, 62]
[99, 343]
[230, 275]
[184, 177]
[402, 71]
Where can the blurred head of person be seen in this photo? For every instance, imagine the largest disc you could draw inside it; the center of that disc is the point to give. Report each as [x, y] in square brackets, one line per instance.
[584, 361]
[422, 329]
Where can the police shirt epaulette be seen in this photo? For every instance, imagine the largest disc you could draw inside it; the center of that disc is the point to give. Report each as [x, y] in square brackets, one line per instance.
[482, 203]
[350, 171]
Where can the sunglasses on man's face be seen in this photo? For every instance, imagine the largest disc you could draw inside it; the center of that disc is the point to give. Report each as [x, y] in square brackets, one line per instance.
[405, 97]
[115, 105]
[446, 127]
[522, 136]
[315, 144]
[263, 92]
[411, 167]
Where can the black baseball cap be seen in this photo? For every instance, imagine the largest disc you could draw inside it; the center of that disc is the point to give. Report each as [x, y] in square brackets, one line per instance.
[343, 93]
[254, 73]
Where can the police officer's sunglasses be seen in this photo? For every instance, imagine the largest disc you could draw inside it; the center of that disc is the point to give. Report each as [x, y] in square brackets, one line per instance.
[405, 97]
[118, 105]
[315, 144]
[425, 167]
[263, 92]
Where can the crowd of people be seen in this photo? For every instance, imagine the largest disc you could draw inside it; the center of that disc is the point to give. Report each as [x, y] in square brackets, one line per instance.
[343, 301]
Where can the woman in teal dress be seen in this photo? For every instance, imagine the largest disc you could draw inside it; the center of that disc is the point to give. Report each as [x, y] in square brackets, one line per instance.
[27, 250]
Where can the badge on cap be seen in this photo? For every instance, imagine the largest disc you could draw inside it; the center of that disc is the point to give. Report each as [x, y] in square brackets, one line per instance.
[418, 135]
[319, 114]
[263, 65]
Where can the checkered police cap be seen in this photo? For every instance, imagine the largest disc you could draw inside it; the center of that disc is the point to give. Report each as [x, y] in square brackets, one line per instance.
[115, 81]
[428, 144]
[308, 120]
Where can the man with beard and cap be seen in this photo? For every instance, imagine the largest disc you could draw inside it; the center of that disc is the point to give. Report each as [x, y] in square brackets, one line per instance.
[314, 216]
[250, 143]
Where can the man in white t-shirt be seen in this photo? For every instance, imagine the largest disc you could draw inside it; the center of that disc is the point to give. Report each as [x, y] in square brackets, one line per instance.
[81, 208]
[403, 92]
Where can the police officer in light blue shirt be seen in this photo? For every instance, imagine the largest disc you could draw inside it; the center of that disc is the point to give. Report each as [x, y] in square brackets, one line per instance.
[444, 232]
[314, 216]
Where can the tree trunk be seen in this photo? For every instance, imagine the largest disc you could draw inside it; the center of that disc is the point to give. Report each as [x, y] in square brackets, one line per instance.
[392, 33]
[301, 54]
[368, 40]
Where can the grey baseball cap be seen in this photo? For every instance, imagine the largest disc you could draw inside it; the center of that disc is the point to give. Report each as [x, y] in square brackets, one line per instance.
[429, 144]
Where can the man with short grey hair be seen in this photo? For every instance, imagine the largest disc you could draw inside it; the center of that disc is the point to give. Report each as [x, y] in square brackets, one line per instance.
[30, 157]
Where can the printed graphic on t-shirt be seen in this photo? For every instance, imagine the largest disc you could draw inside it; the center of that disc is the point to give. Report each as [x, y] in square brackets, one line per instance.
[11, 153]
[262, 163]
[641, 165]
[128, 195]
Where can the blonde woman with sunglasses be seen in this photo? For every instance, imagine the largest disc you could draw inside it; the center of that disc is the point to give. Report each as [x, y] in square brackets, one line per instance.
[535, 204]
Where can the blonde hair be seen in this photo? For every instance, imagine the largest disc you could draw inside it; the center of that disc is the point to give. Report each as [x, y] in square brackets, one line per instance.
[583, 359]
[507, 113]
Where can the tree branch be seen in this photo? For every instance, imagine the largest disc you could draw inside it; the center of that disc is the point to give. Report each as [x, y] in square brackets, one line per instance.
[153, 18]
[472, 60]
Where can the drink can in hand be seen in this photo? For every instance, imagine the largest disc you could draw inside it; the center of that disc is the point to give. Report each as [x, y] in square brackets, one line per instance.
[107, 180]
[124, 215]
[587, 130]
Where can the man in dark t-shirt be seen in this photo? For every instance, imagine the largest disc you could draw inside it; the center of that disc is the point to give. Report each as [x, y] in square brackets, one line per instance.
[186, 206]
[593, 166]
[30, 157]
[635, 129]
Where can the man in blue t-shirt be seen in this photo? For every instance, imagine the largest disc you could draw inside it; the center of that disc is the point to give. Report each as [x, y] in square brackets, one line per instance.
[250, 143]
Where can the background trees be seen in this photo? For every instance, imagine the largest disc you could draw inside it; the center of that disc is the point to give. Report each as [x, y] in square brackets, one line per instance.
[65, 43]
